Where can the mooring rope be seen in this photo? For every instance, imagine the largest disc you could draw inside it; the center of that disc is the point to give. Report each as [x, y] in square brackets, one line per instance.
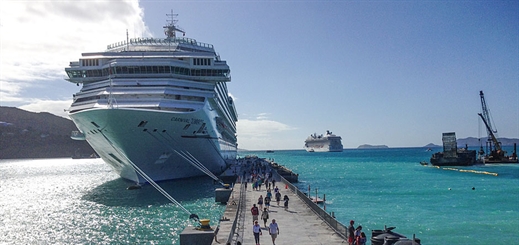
[189, 158]
[147, 178]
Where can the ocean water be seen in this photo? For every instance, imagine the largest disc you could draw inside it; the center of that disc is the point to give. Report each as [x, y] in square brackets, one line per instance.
[378, 187]
[65, 201]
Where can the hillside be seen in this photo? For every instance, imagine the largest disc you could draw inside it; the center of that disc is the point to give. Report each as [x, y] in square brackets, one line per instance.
[27, 134]
[367, 146]
[471, 141]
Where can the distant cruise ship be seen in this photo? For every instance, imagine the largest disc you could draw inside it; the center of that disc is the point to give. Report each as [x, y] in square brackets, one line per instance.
[326, 143]
[156, 106]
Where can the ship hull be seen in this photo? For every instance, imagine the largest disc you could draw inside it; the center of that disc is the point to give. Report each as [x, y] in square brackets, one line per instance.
[154, 141]
[321, 148]
[465, 158]
[324, 146]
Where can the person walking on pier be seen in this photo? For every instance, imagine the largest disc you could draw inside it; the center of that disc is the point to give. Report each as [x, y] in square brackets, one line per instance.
[256, 229]
[260, 201]
[285, 198]
[267, 202]
[351, 233]
[362, 239]
[274, 231]
[255, 212]
[265, 217]
[278, 197]
[358, 231]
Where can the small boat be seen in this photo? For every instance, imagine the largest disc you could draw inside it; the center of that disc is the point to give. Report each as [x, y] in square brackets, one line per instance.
[424, 163]
[316, 200]
[270, 151]
[388, 237]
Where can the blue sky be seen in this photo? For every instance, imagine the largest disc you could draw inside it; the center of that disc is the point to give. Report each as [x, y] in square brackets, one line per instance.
[398, 73]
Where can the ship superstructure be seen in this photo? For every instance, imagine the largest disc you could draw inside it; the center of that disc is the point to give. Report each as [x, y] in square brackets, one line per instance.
[323, 143]
[160, 105]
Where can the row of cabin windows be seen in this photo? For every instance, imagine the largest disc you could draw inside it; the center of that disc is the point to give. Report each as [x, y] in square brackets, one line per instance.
[196, 61]
[148, 70]
[201, 62]
[166, 96]
[90, 62]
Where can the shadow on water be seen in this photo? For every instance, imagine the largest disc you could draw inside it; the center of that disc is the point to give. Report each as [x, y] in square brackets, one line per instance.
[115, 192]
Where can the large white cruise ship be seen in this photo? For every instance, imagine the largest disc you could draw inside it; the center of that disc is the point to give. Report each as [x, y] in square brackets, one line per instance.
[326, 143]
[159, 106]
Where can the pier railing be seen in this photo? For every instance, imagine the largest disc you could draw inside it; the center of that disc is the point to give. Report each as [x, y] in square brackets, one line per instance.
[337, 226]
[236, 234]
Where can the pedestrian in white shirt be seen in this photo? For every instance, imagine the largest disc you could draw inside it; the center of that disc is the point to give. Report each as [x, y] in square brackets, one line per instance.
[274, 231]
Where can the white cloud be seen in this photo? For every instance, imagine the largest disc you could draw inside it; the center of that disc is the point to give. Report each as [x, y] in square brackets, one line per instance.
[260, 128]
[262, 116]
[9, 91]
[55, 107]
[38, 39]
[260, 134]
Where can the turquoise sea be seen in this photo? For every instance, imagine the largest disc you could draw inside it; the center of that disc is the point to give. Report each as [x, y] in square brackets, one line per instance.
[65, 201]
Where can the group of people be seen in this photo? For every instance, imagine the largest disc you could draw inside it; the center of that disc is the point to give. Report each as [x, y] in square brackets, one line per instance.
[257, 173]
[268, 199]
[355, 235]
[259, 178]
[273, 227]
[273, 231]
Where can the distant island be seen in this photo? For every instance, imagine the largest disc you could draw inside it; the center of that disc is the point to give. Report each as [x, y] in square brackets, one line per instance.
[27, 134]
[475, 142]
[366, 146]
[471, 141]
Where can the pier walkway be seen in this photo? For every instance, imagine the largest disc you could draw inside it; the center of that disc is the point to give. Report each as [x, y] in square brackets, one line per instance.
[300, 224]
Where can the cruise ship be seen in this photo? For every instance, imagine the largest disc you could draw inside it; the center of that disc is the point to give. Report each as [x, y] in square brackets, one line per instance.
[327, 143]
[156, 106]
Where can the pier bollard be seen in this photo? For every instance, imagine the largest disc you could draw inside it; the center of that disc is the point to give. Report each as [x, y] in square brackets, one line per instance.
[222, 194]
[202, 235]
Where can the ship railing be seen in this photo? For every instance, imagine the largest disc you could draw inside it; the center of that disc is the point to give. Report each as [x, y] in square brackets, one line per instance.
[158, 41]
[337, 226]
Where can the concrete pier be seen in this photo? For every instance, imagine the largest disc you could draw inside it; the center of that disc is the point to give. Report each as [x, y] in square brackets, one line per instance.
[304, 222]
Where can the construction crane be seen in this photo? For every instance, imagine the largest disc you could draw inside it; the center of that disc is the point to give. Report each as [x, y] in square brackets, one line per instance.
[496, 152]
